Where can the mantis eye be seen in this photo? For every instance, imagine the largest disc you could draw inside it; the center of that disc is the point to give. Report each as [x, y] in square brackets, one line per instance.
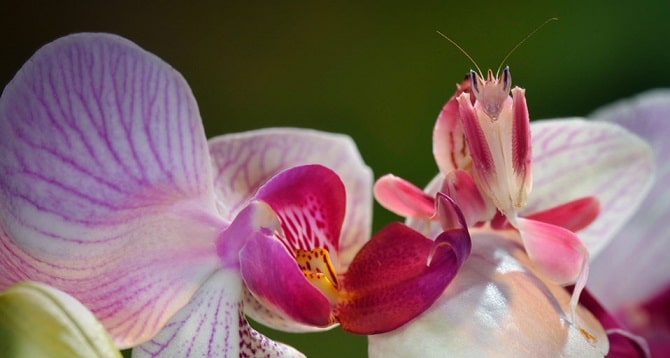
[506, 80]
[474, 83]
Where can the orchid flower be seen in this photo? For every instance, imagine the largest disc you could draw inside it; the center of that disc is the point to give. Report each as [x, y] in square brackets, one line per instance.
[588, 177]
[111, 193]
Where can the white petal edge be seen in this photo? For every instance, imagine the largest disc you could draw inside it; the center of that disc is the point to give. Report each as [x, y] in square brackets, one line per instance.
[574, 158]
[634, 266]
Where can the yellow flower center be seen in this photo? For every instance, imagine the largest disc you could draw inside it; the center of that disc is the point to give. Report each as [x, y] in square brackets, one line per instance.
[318, 269]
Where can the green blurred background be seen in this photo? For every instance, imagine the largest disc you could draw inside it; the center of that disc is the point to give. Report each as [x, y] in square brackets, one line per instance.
[376, 71]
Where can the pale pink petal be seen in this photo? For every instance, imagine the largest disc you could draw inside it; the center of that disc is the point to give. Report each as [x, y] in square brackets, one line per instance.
[243, 162]
[429, 228]
[402, 197]
[635, 266]
[212, 325]
[449, 145]
[556, 252]
[496, 306]
[106, 189]
[574, 158]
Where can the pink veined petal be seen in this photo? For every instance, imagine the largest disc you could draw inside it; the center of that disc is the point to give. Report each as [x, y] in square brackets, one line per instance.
[556, 252]
[634, 267]
[402, 197]
[396, 276]
[272, 275]
[208, 326]
[310, 203]
[106, 190]
[243, 162]
[254, 344]
[212, 325]
[496, 306]
[573, 215]
[573, 158]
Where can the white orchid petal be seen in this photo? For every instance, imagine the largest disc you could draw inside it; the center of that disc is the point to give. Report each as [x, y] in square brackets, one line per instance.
[244, 161]
[634, 266]
[106, 189]
[573, 158]
[212, 325]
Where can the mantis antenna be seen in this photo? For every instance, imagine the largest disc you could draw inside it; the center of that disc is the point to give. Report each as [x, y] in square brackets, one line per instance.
[479, 71]
[524, 40]
[464, 52]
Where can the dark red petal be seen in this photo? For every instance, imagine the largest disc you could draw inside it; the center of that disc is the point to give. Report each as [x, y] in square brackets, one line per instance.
[390, 282]
[310, 201]
[573, 215]
[651, 320]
